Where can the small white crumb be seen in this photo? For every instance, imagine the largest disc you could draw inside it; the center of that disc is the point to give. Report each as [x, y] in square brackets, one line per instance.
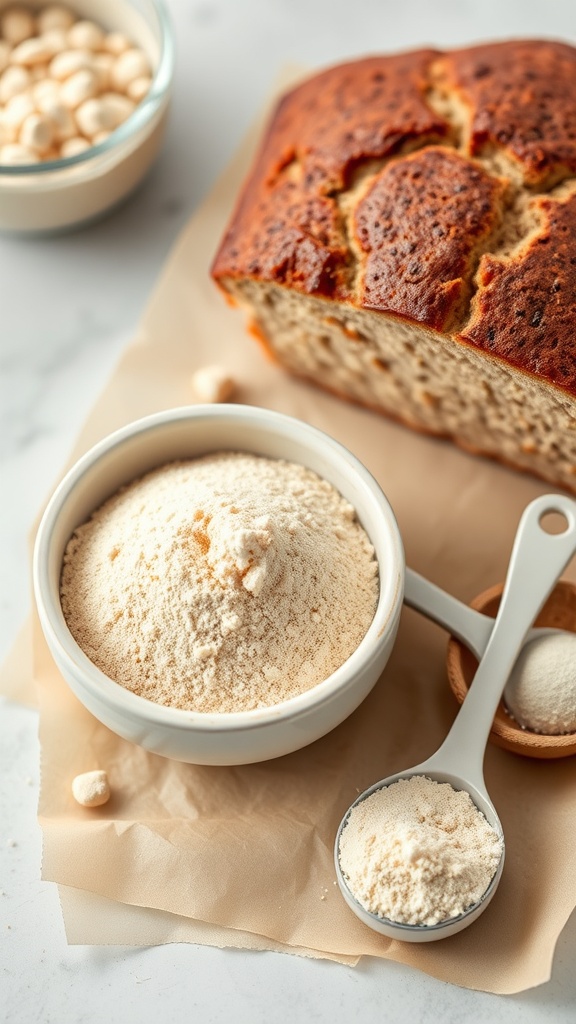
[11, 842]
[213, 384]
[91, 789]
[322, 897]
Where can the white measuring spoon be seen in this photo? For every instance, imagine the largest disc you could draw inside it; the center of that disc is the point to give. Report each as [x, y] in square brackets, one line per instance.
[471, 627]
[537, 560]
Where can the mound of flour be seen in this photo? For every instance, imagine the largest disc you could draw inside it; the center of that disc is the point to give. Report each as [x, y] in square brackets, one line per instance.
[226, 583]
[418, 852]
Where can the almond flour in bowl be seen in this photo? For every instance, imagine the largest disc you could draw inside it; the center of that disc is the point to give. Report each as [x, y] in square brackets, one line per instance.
[224, 583]
[192, 433]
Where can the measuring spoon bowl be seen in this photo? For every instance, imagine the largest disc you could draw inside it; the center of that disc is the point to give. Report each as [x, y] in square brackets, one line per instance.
[538, 559]
[442, 930]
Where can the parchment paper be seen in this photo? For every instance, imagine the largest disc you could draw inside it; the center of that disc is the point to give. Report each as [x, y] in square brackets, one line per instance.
[243, 856]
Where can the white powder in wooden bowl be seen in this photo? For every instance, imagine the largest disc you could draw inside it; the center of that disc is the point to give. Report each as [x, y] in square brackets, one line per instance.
[541, 691]
[418, 852]
[225, 583]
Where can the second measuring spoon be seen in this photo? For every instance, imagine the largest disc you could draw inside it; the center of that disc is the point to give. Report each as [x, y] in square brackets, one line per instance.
[537, 560]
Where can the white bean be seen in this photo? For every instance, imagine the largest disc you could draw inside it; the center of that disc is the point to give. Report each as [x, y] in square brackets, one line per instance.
[139, 88]
[213, 384]
[37, 133]
[116, 43]
[62, 119]
[56, 40]
[131, 64]
[81, 86]
[18, 108]
[71, 147]
[100, 137]
[120, 107]
[17, 24]
[45, 87]
[31, 51]
[55, 16]
[86, 35]
[14, 153]
[13, 81]
[91, 789]
[68, 62]
[95, 116]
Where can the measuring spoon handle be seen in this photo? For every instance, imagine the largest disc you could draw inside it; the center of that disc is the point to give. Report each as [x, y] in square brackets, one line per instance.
[471, 627]
[538, 558]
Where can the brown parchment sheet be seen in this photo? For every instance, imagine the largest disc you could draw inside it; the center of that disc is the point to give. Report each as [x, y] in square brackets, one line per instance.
[243, 856]
[99, 921]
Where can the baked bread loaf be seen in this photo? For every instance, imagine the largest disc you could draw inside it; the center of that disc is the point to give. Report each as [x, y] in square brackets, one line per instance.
[407, 239]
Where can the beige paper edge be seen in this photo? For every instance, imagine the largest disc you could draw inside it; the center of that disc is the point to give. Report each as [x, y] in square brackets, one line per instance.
[98, 921]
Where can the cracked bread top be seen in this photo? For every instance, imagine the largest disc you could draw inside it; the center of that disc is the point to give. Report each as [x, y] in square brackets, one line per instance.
[524, 310]
[433, 187]
[520, 97]
[419, 225]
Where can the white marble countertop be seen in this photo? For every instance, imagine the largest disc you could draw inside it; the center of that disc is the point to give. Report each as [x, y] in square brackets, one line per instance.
[67, 307]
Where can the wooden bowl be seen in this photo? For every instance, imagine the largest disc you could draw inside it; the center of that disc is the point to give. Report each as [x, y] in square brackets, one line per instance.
[559, 612]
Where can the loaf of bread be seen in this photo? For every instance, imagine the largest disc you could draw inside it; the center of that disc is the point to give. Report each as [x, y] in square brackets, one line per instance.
[407, 239]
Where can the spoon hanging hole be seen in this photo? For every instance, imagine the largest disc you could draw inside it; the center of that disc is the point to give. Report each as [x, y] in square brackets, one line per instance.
[554, 523]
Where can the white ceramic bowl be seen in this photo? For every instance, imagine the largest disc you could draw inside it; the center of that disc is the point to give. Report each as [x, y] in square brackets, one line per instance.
[231, 738]
[56, 195]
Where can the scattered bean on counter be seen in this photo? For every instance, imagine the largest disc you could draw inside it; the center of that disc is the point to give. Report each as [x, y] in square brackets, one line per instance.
[213, 383]
[91, 789]
[65, 83]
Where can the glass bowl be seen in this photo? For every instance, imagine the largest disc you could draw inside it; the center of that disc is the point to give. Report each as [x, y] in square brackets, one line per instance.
[56, 195]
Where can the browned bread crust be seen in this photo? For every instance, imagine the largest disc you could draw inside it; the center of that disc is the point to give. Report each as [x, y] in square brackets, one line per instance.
[288, 226]
[407, 239]
[521, 98]
[419, 227]
[390, 182]
[525, 309]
